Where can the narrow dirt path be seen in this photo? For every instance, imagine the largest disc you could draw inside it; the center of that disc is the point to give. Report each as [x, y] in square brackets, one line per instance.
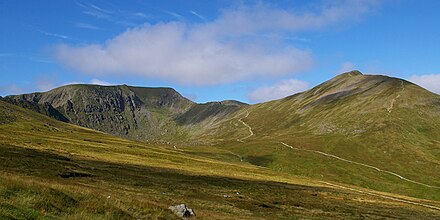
[383, 196]
[251, 133]
[390, 108]
[362, 164]
[237, 155]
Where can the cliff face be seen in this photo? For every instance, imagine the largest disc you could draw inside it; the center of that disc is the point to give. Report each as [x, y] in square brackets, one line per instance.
[135, 112]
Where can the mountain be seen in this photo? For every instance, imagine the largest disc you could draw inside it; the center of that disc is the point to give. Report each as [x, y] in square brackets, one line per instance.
[353, 104]
[51, 170]
[367, 130]
[134, 112]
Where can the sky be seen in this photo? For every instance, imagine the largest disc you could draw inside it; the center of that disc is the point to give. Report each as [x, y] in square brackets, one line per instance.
[251, 51]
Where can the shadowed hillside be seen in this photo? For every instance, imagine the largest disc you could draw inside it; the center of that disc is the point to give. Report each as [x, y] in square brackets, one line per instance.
[134, 112]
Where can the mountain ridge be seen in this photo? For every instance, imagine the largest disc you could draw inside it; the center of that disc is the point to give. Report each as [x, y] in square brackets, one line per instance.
[161, 113]
[141, 113]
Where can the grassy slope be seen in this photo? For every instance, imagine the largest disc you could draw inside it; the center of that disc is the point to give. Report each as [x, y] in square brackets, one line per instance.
[54, 170]
[348, 117]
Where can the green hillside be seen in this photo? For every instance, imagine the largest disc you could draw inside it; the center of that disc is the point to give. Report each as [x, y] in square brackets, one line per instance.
[51, 169]
[378, 132]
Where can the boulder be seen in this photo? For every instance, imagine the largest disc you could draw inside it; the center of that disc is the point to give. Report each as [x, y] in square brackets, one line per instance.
[182, 211]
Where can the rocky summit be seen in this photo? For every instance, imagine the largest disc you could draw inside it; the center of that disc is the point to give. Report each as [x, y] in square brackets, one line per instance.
[134, 112]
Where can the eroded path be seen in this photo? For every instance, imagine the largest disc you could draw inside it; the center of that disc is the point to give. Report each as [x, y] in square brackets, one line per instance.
[390, 108]
[383, 196]
[361, 164]
[251, 133]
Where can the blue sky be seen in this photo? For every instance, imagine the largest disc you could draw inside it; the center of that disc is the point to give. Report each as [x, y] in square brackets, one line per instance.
[251, 51]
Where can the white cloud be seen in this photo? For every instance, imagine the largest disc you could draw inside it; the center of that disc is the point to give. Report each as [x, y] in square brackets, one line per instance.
[265, 17]
[163, 51]
[227, 49]
[279, 90]
[430, 82]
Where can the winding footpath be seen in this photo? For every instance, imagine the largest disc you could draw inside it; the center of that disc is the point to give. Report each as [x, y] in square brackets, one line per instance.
[251, 133]
[361, 164]
[390, 108]
[383, 196]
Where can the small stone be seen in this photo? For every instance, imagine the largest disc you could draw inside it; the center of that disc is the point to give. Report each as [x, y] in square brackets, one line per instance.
[182, 211]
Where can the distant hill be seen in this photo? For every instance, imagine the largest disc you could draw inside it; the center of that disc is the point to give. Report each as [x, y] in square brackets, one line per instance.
[135, 112]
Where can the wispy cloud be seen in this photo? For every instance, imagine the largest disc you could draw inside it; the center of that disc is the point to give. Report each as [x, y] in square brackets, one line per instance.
[99, 9]
[86, 26]
[140, 14]
[93, 10]
[41, 59]
[174, 14]
[227, 49]
[111, 14]
[430, 82]
[279, 90]
[198, 15]
[65, 37]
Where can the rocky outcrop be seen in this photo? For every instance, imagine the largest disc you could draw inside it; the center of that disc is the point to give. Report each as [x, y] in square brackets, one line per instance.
[182, 211]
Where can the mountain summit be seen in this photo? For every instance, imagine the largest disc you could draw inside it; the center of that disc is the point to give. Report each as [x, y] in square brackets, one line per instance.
[136, 112]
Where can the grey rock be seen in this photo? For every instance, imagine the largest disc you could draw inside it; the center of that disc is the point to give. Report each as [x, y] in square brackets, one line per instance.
[182, 211]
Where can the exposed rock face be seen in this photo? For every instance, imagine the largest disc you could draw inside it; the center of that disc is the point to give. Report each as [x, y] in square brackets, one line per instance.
[42, 108]
[134, 112]
[182, 211]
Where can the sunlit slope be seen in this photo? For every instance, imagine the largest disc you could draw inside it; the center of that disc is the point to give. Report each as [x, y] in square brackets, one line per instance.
[56, 170]
[377, 123]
